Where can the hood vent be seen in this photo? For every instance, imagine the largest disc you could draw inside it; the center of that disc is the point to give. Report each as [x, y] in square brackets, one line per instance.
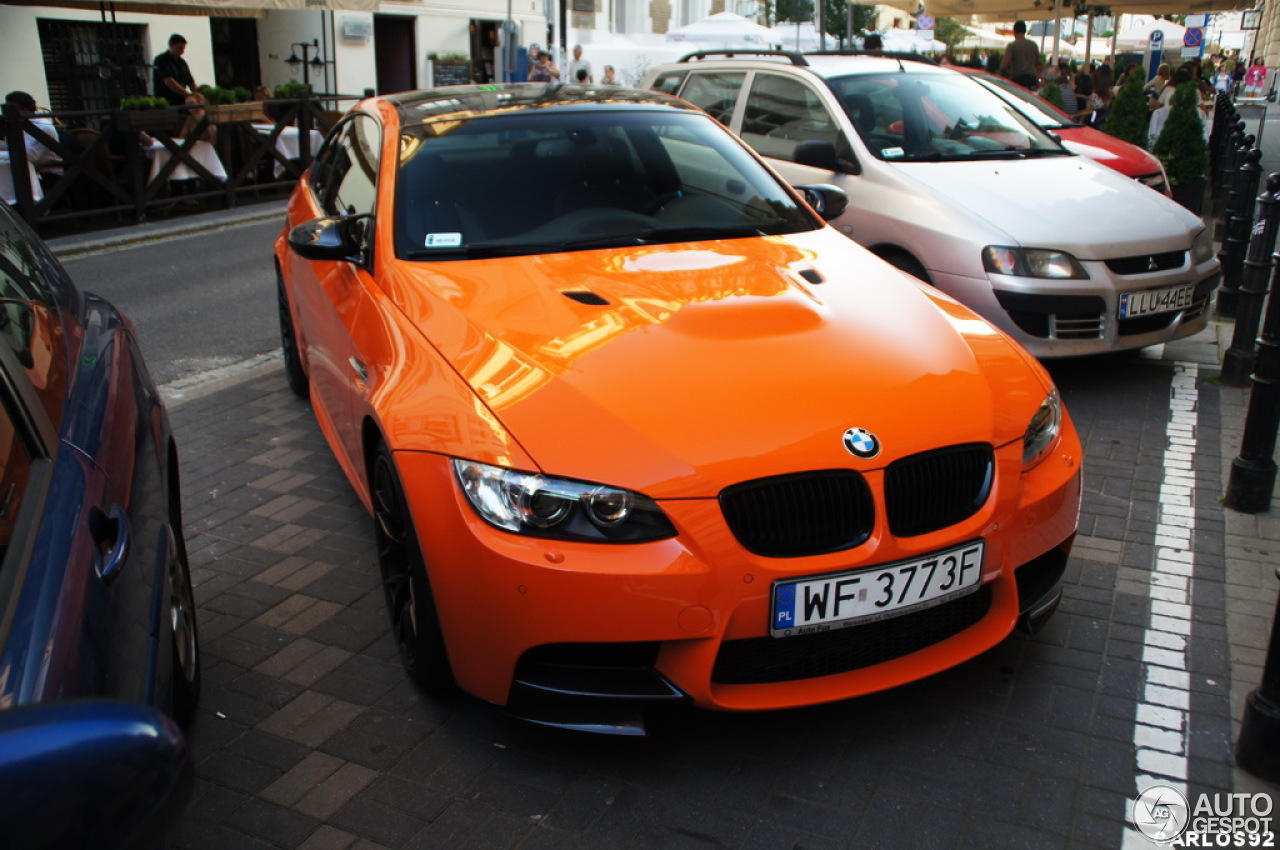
[588, 298]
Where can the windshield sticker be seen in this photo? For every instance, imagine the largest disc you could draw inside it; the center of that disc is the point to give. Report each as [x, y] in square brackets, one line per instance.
[443, 240]
[892, 152]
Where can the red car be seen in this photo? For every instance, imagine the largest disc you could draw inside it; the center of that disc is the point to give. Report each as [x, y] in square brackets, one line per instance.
[1130, 160]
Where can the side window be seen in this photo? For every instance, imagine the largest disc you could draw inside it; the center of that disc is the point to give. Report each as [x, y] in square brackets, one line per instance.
[15, 472]
[352, 178]
[716, 93]
[29, 323]
[669, 82]
[781, 112]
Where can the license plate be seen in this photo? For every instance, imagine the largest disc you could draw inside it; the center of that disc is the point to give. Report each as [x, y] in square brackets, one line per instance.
[1148, 301]
[837, 600]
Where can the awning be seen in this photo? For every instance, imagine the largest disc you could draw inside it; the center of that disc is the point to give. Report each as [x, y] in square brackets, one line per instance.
[214, 8]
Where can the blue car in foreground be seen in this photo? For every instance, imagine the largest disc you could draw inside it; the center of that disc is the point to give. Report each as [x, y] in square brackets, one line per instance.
[98, 647]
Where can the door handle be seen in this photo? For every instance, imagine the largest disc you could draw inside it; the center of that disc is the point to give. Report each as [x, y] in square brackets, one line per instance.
[110, 533]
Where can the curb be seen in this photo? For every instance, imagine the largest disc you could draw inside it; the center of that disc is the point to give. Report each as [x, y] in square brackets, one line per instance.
[79, 245]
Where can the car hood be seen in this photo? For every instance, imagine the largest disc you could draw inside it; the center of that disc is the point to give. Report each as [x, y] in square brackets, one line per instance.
[1130, 160]
[1070, 203]
[676, 370]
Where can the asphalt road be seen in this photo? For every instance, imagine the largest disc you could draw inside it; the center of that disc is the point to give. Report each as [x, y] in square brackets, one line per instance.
[200, 302]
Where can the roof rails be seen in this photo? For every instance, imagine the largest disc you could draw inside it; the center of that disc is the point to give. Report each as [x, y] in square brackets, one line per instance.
[795, 58]
[887, 54]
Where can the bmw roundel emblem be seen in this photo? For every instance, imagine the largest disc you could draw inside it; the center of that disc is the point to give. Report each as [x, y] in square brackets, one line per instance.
[861, 443]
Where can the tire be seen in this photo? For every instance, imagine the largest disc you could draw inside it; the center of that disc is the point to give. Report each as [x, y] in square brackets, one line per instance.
[293, 368]
[187, 674]
[908, 264]
[410, 604]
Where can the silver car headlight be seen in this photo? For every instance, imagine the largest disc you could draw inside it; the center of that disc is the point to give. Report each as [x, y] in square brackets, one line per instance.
[1042, 433]
[1032, 262]
[1202, 247]
[544, 506]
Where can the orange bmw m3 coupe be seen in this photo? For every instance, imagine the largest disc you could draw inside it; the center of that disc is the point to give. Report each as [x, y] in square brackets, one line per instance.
[638, 428]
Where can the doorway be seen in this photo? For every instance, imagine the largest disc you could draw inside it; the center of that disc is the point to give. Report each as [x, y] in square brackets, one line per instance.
[395, 53]
[235, 52]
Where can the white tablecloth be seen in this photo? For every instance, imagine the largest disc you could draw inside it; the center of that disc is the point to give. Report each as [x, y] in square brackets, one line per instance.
[287, 142]
[202, 152]
[7, 193]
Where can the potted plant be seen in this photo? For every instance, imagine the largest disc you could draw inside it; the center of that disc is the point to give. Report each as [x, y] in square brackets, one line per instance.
[1129, 113]
[151, 114]
[1052, 92]
[1182, 148]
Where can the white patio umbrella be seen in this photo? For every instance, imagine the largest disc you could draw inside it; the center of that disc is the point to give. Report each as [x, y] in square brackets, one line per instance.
[725, 29]
[911, 41]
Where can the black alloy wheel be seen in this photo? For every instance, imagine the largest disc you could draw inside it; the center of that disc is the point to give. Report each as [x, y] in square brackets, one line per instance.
[293, 368]
[404, 579]
[908, 264]
[182, 627]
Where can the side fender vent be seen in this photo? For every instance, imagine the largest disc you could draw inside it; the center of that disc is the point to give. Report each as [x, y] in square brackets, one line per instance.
[588, 298]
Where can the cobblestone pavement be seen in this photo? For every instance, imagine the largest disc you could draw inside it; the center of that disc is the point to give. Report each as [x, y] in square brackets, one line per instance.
[310, 735]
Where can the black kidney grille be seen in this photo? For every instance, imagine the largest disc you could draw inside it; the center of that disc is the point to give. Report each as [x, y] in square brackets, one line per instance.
[790, 516]
[758, 661]
[936, 489]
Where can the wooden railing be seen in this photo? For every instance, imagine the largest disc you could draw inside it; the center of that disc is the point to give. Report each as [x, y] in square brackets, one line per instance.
[107, 174]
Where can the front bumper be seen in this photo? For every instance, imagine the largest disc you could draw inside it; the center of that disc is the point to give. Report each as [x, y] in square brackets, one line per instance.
[1070, 318]
[536, 623]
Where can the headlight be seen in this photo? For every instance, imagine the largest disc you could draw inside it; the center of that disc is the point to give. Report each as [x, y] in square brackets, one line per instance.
[542, 506]
[1032, 262]
[1202, 248]
[1042, 433]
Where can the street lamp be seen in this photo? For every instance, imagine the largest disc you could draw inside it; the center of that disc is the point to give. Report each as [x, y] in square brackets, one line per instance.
[308, 62]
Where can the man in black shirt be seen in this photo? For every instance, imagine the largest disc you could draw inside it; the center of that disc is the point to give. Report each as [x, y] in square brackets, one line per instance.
[172, 77]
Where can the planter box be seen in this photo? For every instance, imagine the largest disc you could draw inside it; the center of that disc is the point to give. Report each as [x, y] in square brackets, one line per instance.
[229, 113]
[151, 120]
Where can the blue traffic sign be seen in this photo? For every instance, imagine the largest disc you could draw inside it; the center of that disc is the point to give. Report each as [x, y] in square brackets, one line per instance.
[1193, 37]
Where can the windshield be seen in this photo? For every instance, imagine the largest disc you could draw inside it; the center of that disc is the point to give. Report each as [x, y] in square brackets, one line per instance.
[1040, 111]
[937, 117]
[543, 182]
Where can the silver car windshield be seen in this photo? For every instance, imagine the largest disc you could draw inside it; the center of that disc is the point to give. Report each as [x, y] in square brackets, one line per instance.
[938, 117]
[1040, 112]
[552, 181]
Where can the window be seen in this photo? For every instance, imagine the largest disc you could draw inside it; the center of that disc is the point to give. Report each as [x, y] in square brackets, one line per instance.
[782, 112]
[15, 473]
[716, 93]
[29, 323]
[350, 180]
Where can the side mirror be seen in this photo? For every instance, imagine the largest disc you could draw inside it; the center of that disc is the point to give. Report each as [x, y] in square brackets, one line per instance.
[331, 238]
[817, 154]
[827, 201]
[91, 773]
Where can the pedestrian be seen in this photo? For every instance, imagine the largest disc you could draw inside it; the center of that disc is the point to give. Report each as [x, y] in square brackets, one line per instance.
[1098, 104]
[172, 77]
[1021, 61]
[610, 77]
[543, 71]
[577, 65]
[1254, 78]
[48, 164]
[1070, 103]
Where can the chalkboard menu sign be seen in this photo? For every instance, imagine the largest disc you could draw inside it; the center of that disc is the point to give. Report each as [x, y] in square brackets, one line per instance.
[451, 73]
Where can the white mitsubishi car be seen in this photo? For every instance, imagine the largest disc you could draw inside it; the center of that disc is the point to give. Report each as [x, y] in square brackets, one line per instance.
[946, 180]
